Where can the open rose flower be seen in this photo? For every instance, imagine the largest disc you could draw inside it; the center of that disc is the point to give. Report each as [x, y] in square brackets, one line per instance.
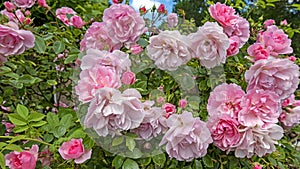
[169, 50]
[268, 22]
[278, 75]
[128, 78]
[291, 117]
[76, 21]
[22, 160]
[257, 51]
[74, 149]
[123, 24]
[239, 28]
[234, 46]
[187, 137]
[61, 14]
[209, 45]
[23, 3]
[225, 15]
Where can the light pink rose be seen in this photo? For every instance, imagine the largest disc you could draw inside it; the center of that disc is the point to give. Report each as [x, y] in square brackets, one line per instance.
[225, 15]
[43, 3]
[10, 16]
[240, 28]
[111, 111]
[209, 44]
[259, 141]
[136, 49]
[283, 22]
[278, 75]
[257, 51]
[291, 117]
[9, 6]
[74, 149]
[76, 21]
[259, 107]
[224, 131]
[234, 46]
[14, 41]
[23, 3]
[169, 50]
[277, 40]
[61, 14]
[172, 19]
[225, 99]
[97, 38]
[22, 160]
[128, 78]
[95, 78]
[20, 15]
[187, 137]
[182, 103]
[123, 24]
[268, 22]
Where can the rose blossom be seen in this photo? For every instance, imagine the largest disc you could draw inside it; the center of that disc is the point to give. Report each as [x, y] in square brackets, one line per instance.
[258, 51]
[169, 50]
[74, 149]
[187, 137]
[182, 103]
[169, 108]
[288, 101]
[257, 166]
[259, 141]
[136, 49]
[234, 46]
[10, 16]
[61, 14]
[290, 117]
[283, 22]
[225, 99]
[240, 28]
[143, 10]
[14, 41]
[162, 9]
[276, 40]
[97, 38]
[128, 78]
[20, 15]
[21, 160]
[76, 21]
[224, 131]
[9, 6]
[268, 22]
[43, 3]
[112, 111]
[259, 107]
[292, 58]
[123, 24]
[23, 3]
[95, 78]
[209, 44]
[172, 20]
[225, 15]
[278, 75]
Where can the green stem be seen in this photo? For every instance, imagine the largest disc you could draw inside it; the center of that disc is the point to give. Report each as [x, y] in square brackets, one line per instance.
[31, 139]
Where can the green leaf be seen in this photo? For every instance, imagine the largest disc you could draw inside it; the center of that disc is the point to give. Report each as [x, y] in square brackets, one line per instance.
[12, 75]
[58, 47]
[13, 147]
[144, 161]
[66, 121]
[38, 124]
[17, 119]
[52, 120]
[2, 161]
[22, 111]
[70, 58]
[197, 165]
[59, 131]
[39, 44]
[27, 79]
[130, 164]
[19, 129]
[48, 137]
[207, 161]
[130, 143]
[35, 116]
[117, 162]
[159, 159]
[117, 141]
[273, 161]
[2, 144]
[78, 133]
[143, 42]
[51, 82]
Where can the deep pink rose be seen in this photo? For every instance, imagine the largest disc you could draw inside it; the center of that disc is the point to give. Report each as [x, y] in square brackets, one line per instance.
[136, 49]
[292, 58]
[187, 137]
[74, 149]
[43, 3]
[22, 160]
[225, 99]
[96, 38]
[128, 78]
[182, 103]
[20, 15]
[234, 46]
[76, 21]
[225, 15]
[14, 41]
[288, 101]
[23, 3]
[257, 166]
[169, 108]
[224, 131]
[143, 10]
[268, 22]
[61, 14]
[257, 51]
[162, 9]
[259, 107]
[172, 20]
[209, 44]
[9, 6]
[277, 40]
[123, 24]
[278, 75]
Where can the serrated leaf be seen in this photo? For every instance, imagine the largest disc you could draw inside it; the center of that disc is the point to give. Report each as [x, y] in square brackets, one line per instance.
[2, 161]
[38, 124]
[59, 131]
[35, 116]
[273, 161]
[144, 161]
[130, 143]
[117, 141]
[208, 161]
[22, 111]
[66, 121]
[117, 162]
[58, 47]
[78, 133]
[70, 58]
[39, 44]
[13, 147]
[130, 164]
[197, 165]
[159, 159]
[48, 137]
[17, 119]
[52, 120]
[19, 129]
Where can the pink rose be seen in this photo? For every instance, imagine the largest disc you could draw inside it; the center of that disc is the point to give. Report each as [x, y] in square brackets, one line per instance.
[19, 40]
[43, 3]
[10, 16]
[283, 22]
[278, 75]
[187, 137]
[288, 101]
[268, 22]
[162, 9]
[20, 15]
[22, 160]
[23, 3]
[136, 49]
[234, 46]
[143, 10]
[182, 103]
[259, 107]
[209, 44]
[46, 157]
[74, 149]
[292, 58]
[169, 108]
[77, 21]
[225, 15]
[257, 166]
[128, 78]
[258, 51]
[276, 40]
[61, 14]
[172, 20]
[117, 1]
[9, 6]
[291, 117]
[123, 24]
[27, 13]
[96, 38]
